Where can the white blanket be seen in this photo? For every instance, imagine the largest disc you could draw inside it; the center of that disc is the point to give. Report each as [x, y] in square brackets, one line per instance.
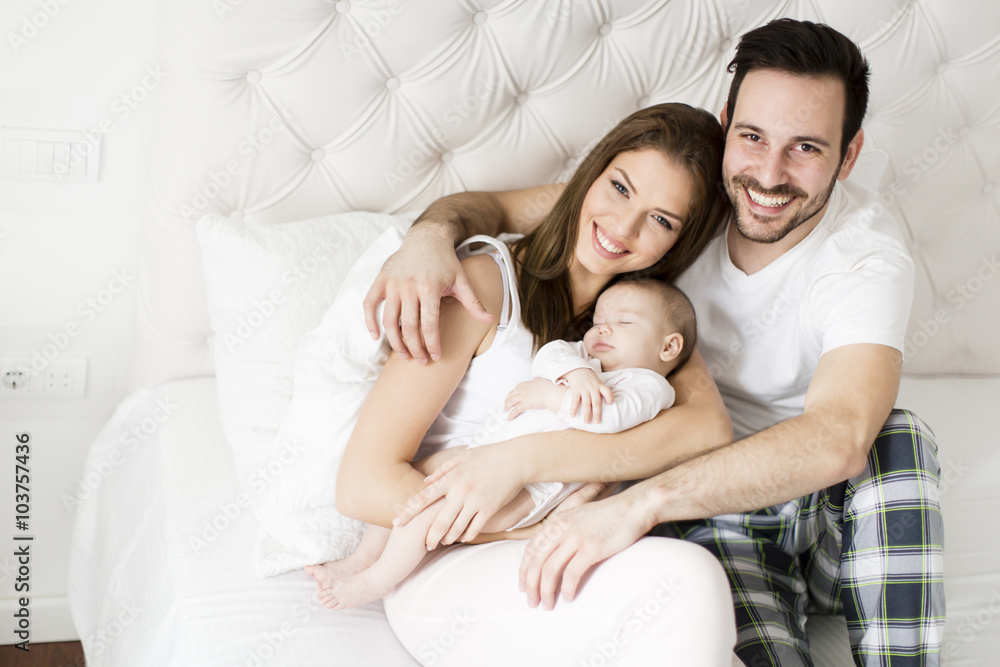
[335, 368]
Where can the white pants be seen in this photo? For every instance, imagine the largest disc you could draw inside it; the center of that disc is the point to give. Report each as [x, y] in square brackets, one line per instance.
[660, 602]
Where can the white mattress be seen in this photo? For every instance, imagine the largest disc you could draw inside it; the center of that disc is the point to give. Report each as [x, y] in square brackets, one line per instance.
[158, 597]
[145, 593]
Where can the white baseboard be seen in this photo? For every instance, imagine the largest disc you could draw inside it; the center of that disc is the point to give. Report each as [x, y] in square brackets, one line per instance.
[50, 621]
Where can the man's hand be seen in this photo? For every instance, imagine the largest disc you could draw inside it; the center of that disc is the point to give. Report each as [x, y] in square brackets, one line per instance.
[412, 283]
[573, 541]
[586, 391]
[537, 394]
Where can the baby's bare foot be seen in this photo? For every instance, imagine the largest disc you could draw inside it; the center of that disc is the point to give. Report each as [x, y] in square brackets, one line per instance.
[329, 573]
[352, 591]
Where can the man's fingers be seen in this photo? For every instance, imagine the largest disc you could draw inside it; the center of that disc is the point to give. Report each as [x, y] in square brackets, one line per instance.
[462, 291]
[409, 324]
[374, 297]
[548, 584]
[430, 317]
[573, 574]
[390, 323]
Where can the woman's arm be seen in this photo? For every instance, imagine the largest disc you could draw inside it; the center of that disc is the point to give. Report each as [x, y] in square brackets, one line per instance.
[413, 280]
[375, 476]
[475, 484]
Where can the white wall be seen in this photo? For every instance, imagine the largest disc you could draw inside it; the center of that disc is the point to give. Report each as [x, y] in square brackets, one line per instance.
[62, 244]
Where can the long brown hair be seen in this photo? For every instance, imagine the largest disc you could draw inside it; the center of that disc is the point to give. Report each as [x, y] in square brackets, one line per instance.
[692, 139]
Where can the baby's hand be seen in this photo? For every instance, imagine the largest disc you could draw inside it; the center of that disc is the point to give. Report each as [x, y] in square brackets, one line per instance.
[534, 394]
[586, 392]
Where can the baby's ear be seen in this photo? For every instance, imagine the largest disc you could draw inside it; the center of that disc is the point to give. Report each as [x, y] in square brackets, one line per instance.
[672, 346]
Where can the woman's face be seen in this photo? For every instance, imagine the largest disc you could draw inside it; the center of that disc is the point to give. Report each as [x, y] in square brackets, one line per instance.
[632, 214]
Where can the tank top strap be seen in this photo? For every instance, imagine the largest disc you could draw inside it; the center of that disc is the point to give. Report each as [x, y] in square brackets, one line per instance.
[510, 314]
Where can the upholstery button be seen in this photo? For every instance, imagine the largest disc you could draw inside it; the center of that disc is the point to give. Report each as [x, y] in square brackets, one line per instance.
[392, 83]
[604, 29]
[343, 6]
[726, 45]
[237, 216]
[964, 132]
[643, 101]
[480, 17]
[522, 98]
[941, 68]
[254, 76]
[447, 156]
[318, 155]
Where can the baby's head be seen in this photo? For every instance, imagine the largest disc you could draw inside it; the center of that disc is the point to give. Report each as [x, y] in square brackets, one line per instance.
[642, 324]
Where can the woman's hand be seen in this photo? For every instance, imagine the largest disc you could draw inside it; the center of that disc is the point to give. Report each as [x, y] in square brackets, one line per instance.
[475, 485]
[573, 541]
[412, 283]
[586, 391]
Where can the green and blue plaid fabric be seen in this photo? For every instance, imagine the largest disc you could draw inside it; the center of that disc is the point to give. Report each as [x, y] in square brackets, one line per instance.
[869, 548]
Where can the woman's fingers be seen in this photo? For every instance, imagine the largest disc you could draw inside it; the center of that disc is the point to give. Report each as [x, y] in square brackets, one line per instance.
[419, 502]
[475, 527]
[445, 518]
[460, 525]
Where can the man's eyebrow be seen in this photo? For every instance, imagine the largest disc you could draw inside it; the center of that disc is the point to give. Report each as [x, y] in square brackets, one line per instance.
[795, 140]
[632, 188]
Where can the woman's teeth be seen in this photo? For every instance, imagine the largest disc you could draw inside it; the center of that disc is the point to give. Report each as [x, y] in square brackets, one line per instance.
[607, 244]
[769, 202]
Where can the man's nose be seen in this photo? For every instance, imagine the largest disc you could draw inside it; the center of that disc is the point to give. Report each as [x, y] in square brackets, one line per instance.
[772, 169]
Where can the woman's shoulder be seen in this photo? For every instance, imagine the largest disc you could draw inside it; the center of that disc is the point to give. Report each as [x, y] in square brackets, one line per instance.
[486, 280]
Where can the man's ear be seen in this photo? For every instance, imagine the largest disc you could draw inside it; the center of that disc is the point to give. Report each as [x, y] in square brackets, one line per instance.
[672, 346]
[851, 155]
[724, 115]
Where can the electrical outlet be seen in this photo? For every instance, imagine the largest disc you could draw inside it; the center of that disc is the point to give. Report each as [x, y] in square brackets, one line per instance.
[60, 378]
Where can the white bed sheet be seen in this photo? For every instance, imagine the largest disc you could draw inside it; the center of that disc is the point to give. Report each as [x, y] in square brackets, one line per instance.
[145, 592]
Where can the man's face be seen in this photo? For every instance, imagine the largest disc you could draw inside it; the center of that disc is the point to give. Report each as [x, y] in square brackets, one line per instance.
[782, 154]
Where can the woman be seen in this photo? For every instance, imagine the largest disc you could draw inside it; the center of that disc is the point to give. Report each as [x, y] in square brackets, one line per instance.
[644, 201]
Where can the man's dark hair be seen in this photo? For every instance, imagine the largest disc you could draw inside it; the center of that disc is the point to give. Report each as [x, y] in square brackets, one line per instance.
[807, 49]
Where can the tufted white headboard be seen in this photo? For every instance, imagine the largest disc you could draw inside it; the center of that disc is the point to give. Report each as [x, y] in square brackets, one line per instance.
[281, 110]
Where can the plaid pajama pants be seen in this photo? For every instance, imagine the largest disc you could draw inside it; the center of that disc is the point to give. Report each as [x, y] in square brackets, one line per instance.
[870, 548]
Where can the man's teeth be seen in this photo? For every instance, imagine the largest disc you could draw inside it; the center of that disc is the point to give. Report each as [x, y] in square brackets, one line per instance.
[606, 243]
[770, 202]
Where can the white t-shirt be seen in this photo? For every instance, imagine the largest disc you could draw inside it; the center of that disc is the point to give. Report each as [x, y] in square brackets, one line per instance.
[849, 281]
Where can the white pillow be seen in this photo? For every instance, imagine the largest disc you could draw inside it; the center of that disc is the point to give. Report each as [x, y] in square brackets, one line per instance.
[268, 285]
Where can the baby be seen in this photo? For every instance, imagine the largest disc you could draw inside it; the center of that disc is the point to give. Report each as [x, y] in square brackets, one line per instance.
[643, 330]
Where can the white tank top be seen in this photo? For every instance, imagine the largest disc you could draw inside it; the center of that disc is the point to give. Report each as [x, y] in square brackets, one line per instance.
[478, 400]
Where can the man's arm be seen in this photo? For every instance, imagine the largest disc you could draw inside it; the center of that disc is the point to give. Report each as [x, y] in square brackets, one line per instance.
[424, 270]
[849, 399]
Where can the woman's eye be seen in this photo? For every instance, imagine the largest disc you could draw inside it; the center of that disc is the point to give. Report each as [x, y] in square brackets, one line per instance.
[663, 221]
[621, 188]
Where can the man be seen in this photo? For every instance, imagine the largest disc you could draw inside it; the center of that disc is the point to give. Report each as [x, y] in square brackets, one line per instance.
[802, 307]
